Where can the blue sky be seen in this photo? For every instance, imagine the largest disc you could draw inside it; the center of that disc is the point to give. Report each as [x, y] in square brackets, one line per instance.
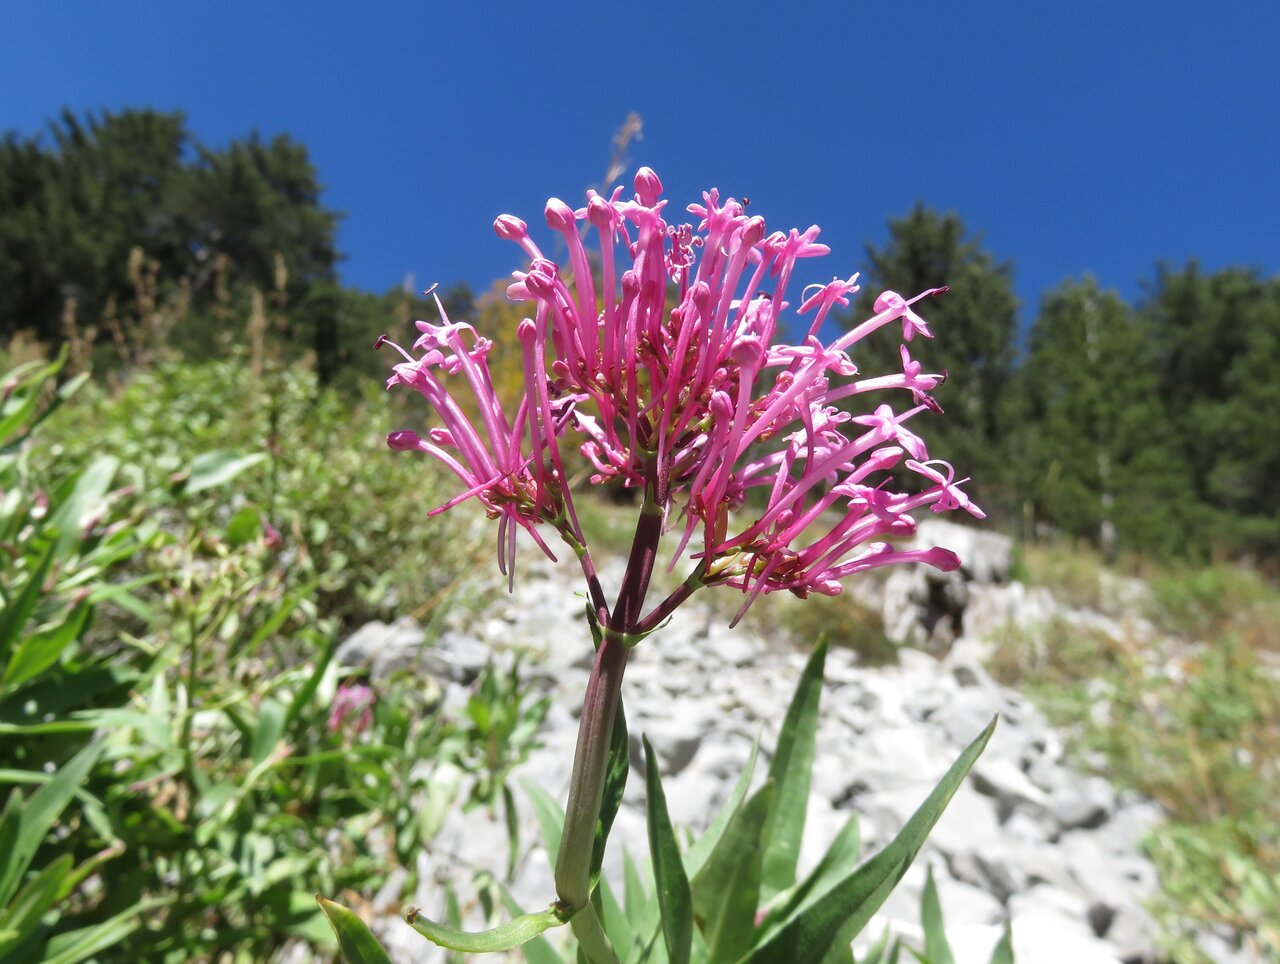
[1077, 137]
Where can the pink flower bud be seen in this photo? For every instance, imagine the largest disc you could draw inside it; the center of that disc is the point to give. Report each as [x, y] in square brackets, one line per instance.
[403, 441]
[559, 215]
[648, 187]
[510, 228]
[599, 212]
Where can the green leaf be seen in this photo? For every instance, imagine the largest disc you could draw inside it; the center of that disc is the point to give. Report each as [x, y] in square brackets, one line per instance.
[13, 617]
[503, 938]
[936, 947]
[39, 814]
[210, 469]
[17, 408]
[840, 857]
[87, 491]
[271, 718]
[634, 895]
[883, 951]
[355, 940]
[615, 782]
[701, 849]
[71, 947]
[613, 918]
[536, 950]
[244, 527]
[303, 697]
[1003, 952]
[549, 814]
[452, 917]
[512, 819]
[726, 892]
[39, 651]
[22, 916]
[836, 918]
[675, 900]
[790, 771]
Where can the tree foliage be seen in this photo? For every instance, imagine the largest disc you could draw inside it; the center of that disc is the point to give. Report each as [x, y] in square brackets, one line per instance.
[1092, 453]
[104, 218]
[1218, 343]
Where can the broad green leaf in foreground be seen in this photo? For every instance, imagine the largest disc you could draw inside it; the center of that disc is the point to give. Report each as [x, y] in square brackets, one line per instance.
[835, 919]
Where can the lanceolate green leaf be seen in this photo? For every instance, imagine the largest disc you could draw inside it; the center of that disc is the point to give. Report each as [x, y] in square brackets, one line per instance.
[726, 892]
[504, 938]
[13, 617]
[831, 869]
[22, 916]
[39, 814]
[210, 469]
[355, 940]
[38, 651]
[790, 771]
[936, 947]
[84, 943]
[1003, 952]
[549, 814]
[701, 849]
[674, 899]
[834, 920]
[87, 491]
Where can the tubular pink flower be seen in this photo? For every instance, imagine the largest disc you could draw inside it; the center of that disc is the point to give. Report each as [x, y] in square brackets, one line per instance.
[658, 356]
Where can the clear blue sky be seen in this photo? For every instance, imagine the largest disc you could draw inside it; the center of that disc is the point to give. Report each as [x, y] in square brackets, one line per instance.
[1081, 136]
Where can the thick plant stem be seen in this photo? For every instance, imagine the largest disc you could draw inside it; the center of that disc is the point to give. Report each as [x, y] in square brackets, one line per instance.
[590, 760]
[592, 939]
[600, 705]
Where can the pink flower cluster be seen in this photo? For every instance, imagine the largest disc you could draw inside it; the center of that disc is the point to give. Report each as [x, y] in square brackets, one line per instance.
[656, 355]
[352, 702]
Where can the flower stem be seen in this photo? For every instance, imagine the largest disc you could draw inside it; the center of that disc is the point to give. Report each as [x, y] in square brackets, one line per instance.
[592, 939]
[590, 762]
[600, 705]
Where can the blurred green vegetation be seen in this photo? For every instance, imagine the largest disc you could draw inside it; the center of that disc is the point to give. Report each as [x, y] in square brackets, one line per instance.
[178, 567]
[1188, 715]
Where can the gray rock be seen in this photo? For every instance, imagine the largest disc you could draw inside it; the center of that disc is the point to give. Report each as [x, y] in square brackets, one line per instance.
[382, 648]
[457, 657]
[1001, 778]
[1085, 803]
[985, 556]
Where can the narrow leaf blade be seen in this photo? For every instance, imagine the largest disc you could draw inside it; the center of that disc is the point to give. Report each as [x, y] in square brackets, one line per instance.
[837, 917]
[675, 900]
[790, 770]
[726, 892]
[936, 946]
